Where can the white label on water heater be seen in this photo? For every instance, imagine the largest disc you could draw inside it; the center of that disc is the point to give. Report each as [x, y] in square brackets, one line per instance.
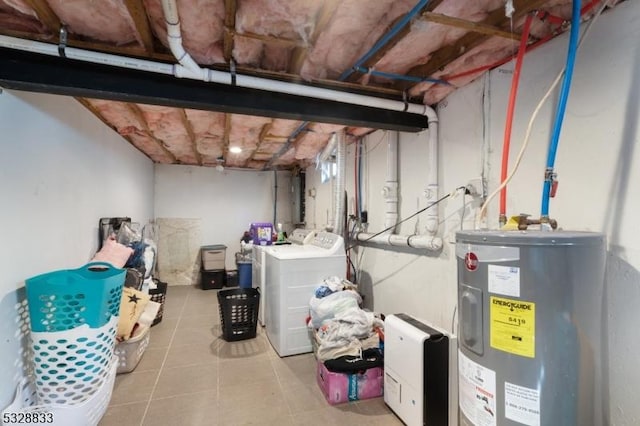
[477, 392]
[522, 404]
[504, 280]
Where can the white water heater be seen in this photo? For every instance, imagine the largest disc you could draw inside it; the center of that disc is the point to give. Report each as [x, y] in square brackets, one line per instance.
[420, 372]
[530, 315]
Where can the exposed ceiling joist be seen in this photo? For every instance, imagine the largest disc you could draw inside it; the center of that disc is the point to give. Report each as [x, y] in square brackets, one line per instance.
[446, 54]
[476, 27]
[230, 8]
[227, 133]
[263, 133]
[392, 42]
[46, 15]
[192, 136]
[138, 14]
[322, 20]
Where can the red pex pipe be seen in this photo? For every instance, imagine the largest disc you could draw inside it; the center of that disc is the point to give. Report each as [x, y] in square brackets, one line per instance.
[509, 121]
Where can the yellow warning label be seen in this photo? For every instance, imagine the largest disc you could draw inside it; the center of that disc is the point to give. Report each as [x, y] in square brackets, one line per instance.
[513, 326]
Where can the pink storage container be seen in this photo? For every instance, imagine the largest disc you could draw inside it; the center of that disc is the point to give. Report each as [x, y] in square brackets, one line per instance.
[339, 387]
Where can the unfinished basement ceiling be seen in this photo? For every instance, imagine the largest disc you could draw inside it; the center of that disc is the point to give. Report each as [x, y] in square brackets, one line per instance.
[317, 42]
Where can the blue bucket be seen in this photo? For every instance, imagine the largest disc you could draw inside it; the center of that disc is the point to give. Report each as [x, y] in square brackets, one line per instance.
[65, 299]
[244, 274]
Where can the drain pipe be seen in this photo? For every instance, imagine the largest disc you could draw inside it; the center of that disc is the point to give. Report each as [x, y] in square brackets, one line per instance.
[428, 240]
[390, 190]
[431, 226]
[174, 38]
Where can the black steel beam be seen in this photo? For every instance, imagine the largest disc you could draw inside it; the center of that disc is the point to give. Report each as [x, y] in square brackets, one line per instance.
[47, 74]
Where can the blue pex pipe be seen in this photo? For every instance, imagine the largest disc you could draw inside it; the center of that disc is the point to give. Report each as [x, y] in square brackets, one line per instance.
[395, 76]
[386, 38]
[379, 45]
[562, 104]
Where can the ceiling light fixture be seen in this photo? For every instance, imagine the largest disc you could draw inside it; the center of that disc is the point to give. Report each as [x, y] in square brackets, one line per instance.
[235, 150]
[220, 161]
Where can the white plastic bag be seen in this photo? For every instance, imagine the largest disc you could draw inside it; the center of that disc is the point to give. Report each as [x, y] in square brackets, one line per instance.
[327, 307]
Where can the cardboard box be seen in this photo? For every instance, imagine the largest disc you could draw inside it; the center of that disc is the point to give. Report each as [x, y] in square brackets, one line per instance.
[339, 387]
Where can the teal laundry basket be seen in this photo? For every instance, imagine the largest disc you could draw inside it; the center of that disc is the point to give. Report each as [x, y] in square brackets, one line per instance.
[65, 299]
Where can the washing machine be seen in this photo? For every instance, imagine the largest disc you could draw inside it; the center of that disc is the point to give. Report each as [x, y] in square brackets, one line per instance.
[258, 278]
[292, 274]
[258, 266]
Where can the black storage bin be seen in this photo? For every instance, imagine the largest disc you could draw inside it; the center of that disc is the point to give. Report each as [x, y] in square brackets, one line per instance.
[239, 313]
[158, 295]
[212, 279]
[232, 279]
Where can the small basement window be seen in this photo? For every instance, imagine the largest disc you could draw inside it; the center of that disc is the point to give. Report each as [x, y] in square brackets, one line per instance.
[329, 169]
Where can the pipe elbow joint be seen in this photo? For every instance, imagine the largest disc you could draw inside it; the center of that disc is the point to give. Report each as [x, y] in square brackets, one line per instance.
[431, 226]
[436, 244]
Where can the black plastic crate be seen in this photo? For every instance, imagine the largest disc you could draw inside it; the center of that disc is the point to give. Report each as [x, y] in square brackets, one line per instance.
[212, 279]
[239, 313]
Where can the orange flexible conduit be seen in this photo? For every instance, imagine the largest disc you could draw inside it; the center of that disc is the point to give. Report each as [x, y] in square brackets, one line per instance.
[509, 121]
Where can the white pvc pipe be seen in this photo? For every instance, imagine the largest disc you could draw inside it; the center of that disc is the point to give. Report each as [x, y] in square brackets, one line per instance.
[431, 227]
[390, 190]
[86, 55]
[212, 76]
[174, 38]
[427, 242]
[339, 182]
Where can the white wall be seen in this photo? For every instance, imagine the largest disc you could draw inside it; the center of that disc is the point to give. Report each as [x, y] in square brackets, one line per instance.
[61, 169]
[597, 164]
[227, 202]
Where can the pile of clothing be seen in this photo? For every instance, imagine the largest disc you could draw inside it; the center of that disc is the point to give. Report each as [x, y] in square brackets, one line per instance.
[127, 248]
[346, 340]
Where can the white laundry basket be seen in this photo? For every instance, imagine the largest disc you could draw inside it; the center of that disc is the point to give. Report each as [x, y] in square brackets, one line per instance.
[25, 405]
[72, 365]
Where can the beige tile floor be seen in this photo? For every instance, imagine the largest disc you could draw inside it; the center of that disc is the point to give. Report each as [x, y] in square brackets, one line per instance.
[190, 376]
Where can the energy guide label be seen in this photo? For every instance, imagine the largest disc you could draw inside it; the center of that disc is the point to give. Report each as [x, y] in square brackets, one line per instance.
[512, 326]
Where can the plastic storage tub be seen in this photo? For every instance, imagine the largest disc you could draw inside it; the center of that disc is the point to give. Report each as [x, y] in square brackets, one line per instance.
[212, 279]
[239, 313]
[213, 256]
